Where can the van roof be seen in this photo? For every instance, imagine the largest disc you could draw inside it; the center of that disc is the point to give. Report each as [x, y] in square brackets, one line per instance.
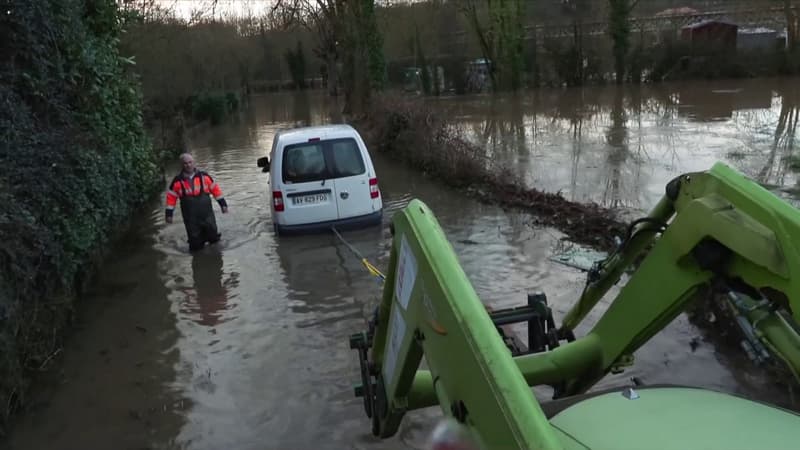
[303, 133]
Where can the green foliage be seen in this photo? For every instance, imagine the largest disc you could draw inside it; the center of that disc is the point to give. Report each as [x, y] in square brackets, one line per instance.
[373, 42]
[76, 164]
[210, 106]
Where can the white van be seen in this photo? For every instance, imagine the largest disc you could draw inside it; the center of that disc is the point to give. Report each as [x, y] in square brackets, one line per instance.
[319, 177]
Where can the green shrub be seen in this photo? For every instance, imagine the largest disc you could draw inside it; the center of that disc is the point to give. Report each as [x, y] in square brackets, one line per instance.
[76, 163]
[213, 107]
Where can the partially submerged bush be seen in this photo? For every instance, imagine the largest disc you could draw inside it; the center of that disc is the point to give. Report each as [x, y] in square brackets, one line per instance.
[419, 135]
[212, 107]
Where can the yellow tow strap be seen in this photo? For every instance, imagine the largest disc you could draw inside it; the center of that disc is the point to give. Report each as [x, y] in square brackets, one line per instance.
[370, 268]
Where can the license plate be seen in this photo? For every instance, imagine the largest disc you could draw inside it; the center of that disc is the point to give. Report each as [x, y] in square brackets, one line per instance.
[310, 199]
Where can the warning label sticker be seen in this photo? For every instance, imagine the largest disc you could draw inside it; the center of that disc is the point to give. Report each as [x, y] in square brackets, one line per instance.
[406, 274]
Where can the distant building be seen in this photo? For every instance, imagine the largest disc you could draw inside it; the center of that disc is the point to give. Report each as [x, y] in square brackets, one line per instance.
[711, 35]
[754, 39]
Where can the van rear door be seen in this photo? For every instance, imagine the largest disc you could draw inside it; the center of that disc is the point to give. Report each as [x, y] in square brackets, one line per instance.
[352, 178]
[309, 195]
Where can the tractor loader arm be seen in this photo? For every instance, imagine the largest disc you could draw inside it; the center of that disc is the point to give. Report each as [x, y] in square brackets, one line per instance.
[712, 231]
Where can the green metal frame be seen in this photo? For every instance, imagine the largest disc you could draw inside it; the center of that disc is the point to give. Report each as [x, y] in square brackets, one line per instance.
[711, 229]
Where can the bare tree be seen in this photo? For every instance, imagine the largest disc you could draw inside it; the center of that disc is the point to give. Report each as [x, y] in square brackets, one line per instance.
[500, 36]
[324, 18]
[148, 10]
[346, 33]
[484, 32]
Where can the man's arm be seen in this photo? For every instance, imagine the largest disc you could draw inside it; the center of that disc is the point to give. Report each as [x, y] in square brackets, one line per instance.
[216, 191]
[172, 200]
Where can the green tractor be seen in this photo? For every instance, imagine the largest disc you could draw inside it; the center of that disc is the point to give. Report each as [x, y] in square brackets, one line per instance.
[713, 231]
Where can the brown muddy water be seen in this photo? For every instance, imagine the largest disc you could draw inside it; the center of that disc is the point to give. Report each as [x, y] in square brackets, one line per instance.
[244, 346]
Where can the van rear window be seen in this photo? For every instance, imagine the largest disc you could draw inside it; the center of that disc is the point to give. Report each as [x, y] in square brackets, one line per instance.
[322, 160]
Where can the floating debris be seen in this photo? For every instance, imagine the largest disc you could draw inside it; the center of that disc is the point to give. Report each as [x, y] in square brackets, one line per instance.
[579, 258]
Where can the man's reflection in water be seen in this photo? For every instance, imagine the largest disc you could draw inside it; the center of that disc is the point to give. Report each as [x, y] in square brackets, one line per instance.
[211, 295]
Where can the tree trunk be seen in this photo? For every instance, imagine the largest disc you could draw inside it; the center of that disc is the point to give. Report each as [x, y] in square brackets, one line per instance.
[352, 83]
[333, 74]
[487, 47]
[362, 51]
[791, 26]
[619, 65]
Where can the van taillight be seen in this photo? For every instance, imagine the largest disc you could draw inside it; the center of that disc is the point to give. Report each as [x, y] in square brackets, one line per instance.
[373, 188]
[277, 200]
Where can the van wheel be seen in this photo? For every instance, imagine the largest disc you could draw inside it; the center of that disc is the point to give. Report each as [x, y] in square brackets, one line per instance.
[275, 229]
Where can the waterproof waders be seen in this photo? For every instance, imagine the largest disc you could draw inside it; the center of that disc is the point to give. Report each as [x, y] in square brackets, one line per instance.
[198, 217]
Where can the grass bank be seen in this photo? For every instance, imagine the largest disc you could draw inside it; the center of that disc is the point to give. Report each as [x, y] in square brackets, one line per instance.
[76, 164]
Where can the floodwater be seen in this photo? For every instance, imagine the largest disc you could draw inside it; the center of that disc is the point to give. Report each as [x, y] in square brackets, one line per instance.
[245, 345]
[619, 147]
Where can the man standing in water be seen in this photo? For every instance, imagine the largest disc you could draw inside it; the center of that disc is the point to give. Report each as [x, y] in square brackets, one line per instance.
[194, 189]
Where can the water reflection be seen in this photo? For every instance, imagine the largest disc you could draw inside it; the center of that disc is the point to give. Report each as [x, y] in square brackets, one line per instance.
[301, 108]
[619, 146]
[322, 274]
[781, 155]
[118, 371]
[290, 108]
[617, 138]
[719, 102]
[210, 299]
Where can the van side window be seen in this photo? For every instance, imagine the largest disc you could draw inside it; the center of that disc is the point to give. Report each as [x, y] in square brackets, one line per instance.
[321, 160]
[347, 158]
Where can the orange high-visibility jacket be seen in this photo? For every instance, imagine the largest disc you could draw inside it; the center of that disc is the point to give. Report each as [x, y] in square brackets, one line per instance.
[200, 183]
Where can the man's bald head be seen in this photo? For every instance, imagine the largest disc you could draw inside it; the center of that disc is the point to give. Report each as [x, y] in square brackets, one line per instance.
[188, 162]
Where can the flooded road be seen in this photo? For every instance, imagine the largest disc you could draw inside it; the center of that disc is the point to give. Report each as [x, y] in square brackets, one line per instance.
[245, 345]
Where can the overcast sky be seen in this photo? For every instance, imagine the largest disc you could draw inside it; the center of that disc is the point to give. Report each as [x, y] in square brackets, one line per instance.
[223, 7]
[238, 7]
